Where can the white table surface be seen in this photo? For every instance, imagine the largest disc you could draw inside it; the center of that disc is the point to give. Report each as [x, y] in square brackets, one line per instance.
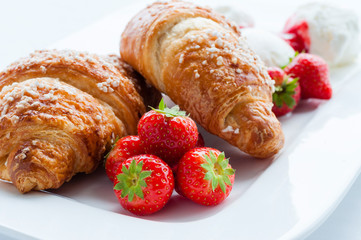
[29, 25]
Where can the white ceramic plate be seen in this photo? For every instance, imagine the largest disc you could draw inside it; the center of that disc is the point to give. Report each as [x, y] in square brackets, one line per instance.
[284, 197]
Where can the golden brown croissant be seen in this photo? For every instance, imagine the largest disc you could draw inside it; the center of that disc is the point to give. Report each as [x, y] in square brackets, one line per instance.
[199, 59]
[60, 111]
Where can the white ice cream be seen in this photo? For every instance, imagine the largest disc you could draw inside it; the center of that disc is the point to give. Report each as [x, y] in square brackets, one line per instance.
[273, 50]
[235, 14]
[334, 32]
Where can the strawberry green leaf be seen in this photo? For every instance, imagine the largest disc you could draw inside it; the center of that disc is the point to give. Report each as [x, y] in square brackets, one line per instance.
[125, 192]
[222, 184]
[217, 170]
[214, 183]
[131, 194]
[213, 157]
[206, 166]
[139, 192]
[121, 178]
[144, 175]
[229, 171]
[162, 105]
[139, 167]
[132, 180]
[277, 100]
[142, 183]
[118, 186]
[284, 93]
[290, 102]
[132, 166]
[125, 171]
[169, 112]
[226, 180]
[209, 161]
[208, 176]
[223, 163]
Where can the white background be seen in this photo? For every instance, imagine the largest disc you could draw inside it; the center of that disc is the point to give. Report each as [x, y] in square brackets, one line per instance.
[29, 25]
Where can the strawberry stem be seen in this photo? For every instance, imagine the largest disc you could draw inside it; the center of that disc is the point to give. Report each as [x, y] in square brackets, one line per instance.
[284, 93]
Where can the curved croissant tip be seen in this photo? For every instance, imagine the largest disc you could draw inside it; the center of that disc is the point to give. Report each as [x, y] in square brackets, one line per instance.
[26, 184]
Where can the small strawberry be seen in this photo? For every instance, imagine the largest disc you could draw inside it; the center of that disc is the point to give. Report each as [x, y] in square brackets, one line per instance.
[276, 74]
[312, 72]
[287, 92]
[144, 184]
[123, 149]
[297, 35]
[205, 176]
[167, 133]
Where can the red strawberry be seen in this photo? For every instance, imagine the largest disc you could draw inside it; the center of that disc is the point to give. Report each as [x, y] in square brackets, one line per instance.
[167, 133]
[287, 92]
[313, 75]
[123, 149]
[205, 176]
[144, 184]
[276, 74]
[297, 35]
[200, 142]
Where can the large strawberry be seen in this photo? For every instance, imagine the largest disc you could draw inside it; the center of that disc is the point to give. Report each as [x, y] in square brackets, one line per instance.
[205, 176]
[297, 35]
[287, 92]
[313, 75]
[123, 149]
[144, 184]
[167, 133]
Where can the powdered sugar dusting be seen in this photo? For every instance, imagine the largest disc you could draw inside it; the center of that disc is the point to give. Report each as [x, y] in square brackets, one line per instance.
[107, 73]
[219, 60]
[181, 58]
[29, 95]
[196, 74]
[230, 129]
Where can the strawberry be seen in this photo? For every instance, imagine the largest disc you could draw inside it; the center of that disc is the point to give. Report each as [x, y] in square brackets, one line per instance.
[123, 149]
[287, 92]
[276, 74]
[205, 176]
[313, 75]
[144, 184]
[167, 133]
[297, 35]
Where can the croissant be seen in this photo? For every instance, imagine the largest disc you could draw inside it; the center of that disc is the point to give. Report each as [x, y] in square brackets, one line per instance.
[59, 113]
[199, 59]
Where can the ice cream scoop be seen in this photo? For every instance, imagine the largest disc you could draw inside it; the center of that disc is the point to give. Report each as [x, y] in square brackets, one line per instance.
[240, 17]
[333, 32]
[273, 50]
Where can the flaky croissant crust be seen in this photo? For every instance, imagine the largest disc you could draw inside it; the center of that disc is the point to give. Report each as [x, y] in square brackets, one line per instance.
[49, 131]
[93, 74]
[60, 111]
[199, 60]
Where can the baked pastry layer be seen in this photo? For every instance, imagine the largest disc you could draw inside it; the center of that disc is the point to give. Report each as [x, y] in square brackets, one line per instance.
[199, 59]
[61, 110]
